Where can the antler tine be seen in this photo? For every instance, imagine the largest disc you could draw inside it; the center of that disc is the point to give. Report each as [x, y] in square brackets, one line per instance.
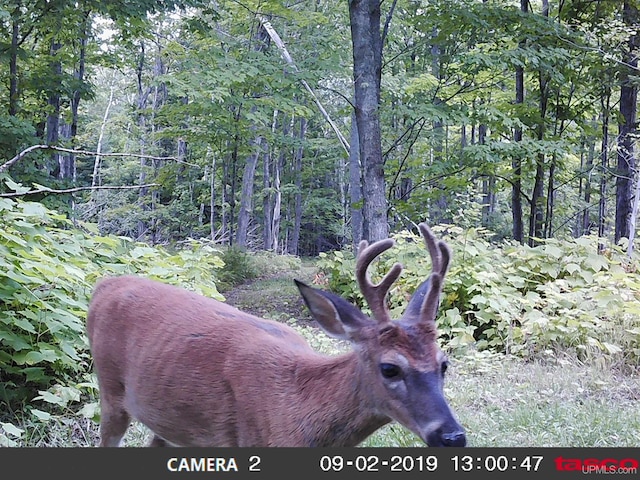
[439, 250]
[440, 257]
[375, 294]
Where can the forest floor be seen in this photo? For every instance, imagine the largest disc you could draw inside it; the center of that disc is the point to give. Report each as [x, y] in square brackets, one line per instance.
[274, 296]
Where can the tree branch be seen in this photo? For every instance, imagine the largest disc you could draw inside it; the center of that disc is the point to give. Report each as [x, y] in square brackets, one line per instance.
[287, 57]
[387, 22]
[26, 151]
[75, 189]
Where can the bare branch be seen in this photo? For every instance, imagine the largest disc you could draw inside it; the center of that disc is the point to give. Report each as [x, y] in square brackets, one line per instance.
[5, 166]
[26, 151]
[285, 54]
[76, 189]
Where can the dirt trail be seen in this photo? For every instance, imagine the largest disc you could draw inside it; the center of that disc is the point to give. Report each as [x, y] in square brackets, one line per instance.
[275, 296]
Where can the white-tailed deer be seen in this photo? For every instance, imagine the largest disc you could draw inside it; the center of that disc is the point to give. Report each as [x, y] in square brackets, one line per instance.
[199, 372]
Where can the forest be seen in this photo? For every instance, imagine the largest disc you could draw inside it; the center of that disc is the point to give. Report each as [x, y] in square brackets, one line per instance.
[172, 137]
[233, 121]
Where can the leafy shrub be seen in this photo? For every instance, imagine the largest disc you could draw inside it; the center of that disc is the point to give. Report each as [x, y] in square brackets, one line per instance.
[238, 268]
[47, 273]
[528, 301]
[241, 266]
[270, 263]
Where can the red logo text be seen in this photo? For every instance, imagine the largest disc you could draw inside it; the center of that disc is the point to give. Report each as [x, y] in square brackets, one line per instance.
[596, 465]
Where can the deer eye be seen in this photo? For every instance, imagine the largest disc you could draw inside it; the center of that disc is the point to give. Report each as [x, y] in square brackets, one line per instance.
[389, 370]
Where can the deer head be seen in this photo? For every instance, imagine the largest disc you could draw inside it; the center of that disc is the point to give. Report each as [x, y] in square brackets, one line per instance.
[400, 362]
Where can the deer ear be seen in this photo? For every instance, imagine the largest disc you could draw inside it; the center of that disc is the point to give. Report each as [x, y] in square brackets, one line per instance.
[412, 312]
[424, 303]
[336, 316]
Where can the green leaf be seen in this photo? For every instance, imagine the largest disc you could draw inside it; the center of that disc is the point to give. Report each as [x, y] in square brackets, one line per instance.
[40, 415]
[572, 268]
[23, 323]
[11, 429]
[16, 187]
[50, 398]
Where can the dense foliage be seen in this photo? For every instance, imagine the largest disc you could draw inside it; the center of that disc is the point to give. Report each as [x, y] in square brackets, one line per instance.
[47, 271]
[510, 124]
[523, 111]
[560, 297]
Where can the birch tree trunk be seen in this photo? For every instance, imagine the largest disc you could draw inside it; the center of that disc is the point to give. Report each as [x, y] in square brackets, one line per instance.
[277, 204]
[95, 176]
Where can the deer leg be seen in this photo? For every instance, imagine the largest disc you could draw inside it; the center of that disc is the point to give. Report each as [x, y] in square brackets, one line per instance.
[156, 441]
[114, 421]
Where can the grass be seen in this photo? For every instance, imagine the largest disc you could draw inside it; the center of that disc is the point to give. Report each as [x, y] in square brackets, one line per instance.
[505, 402]
[501, 401]
[562, 404]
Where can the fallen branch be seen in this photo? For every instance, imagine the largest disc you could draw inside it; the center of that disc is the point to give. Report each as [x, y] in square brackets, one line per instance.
[75, 189]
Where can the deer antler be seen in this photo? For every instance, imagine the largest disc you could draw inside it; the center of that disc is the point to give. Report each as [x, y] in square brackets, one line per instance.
[440, 256]
[375, 294]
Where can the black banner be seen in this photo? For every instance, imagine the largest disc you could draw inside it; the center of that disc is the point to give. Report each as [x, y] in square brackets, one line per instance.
[327, 463]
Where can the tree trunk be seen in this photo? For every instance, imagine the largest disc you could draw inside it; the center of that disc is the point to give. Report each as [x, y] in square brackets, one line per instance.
[277, 204]
[536, 217]
[141, 104]
[538, 202]
[53, 117]
[246, 199]
[212, 195]
[367, 67]
[604, 167]
[516, 163]
[95, 177]
[440, 205]
[271, 197]
[230, 191]
[626, 130]
[267, 211]
[14, 94]
[68, 161]
[488, 184]
[516, 166]
[550, 200]
[585, 218]
[294, 241]
[355, 186]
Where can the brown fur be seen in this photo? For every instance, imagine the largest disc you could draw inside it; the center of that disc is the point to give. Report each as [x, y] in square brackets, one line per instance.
[199, 372]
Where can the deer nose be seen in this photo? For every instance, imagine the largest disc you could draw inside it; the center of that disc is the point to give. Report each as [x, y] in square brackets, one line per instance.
[450, 438]
[454, 439]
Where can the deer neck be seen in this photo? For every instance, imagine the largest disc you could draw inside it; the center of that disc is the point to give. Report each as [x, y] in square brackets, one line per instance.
[340, 410]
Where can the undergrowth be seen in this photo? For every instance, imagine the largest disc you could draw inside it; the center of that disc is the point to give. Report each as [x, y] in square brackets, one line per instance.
[532, 302]
[544, 341]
